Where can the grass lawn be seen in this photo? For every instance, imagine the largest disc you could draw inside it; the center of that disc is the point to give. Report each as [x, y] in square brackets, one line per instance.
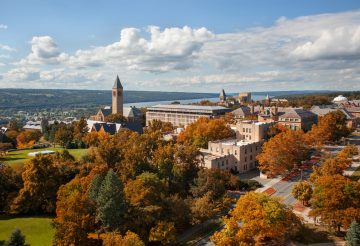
[17, 158]
[37, 230]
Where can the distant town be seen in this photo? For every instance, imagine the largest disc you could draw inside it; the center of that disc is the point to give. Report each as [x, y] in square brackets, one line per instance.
[198, 161]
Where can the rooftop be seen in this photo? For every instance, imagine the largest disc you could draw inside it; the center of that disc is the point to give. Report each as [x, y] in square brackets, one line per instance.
[235, 142]
[189, 107]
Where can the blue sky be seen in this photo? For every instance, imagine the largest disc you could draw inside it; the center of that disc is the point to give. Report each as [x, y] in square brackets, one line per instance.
[181, 45]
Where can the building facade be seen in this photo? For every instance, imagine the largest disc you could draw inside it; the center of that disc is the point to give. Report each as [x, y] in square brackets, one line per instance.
[233, 155]
[252, 130]
[183, 115]
[297, 118]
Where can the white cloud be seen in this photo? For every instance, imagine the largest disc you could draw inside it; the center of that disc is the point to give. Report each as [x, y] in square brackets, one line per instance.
[22, 74]
[44, 50]
[309, 52]
[165, 50]
[6, 48]
[3, 26]
[338, 43]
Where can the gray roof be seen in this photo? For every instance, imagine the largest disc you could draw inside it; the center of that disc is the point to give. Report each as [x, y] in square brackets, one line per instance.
[106, 111]
[192, 107]
[324, 109]
[117, 83]
[131, 112]
[298, 113]
[242, 111]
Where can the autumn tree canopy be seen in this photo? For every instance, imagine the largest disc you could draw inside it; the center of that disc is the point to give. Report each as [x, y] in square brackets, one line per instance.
[283, 152]
[257, 219]
[336, 199]
[331, 127]
[204, 130]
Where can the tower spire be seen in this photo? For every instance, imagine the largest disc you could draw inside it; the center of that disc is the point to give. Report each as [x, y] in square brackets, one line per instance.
[117, 84]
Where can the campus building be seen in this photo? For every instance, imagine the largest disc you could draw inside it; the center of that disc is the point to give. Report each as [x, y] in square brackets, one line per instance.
[231, 154]
[297, 118]
[252, 130]
[183, 115]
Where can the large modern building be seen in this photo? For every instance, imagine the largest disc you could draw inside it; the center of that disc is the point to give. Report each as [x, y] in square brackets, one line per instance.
[183, 115]
[232, 155]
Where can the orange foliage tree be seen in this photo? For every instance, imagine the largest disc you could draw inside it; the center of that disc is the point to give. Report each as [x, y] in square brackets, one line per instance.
[257, 219]
[282, 152]
[204, 130]
[27, 139]
[331, 127]
[336, 199]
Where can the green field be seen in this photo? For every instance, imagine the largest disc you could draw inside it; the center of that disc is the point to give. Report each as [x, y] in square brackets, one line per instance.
[37, 230]
[18, 157]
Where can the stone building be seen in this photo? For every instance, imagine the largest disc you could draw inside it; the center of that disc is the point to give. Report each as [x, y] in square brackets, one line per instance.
[297, 118]
[132, 114]
[234, 155]
[252, 130]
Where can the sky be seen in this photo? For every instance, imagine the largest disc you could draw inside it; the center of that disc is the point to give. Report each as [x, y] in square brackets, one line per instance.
[191, 46]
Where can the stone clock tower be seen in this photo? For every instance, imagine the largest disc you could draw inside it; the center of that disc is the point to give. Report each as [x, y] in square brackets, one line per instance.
[117, 97]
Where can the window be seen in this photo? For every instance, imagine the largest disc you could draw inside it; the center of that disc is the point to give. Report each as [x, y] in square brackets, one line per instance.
[245, 150]
[245, 158]
[235, 152]
[249, 137]
[114, 93]
[249, 130]
[243, 129]
[222, 163]
[250, 157]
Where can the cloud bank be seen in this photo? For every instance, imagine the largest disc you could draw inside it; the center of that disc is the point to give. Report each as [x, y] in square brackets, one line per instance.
[309, 52]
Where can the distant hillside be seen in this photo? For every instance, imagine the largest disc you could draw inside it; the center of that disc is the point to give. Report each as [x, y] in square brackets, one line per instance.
[48, 98]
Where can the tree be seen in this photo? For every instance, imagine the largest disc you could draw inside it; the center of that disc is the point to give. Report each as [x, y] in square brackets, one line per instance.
[336, 199]
[353, 234]
[274, 130]
[302, 191]
[64, 135]
[42, 177]
[210, 180]
[158, 125]
[283, 152]
[16, 238]
[27, 139]
[10, 183]
[164, 232]
[203, 208]
[258, 219]
[109, 197]
[41, 182]
[75, 212]
[146, 196]
[80, 129]
[204, 130]
[116, 118]
[331, 127]
[115, 239]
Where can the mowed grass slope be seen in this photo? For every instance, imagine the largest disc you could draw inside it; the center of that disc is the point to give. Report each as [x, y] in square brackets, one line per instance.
[37, 230]
[20, 156]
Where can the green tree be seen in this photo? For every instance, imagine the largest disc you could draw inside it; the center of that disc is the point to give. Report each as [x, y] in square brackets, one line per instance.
[16, 238]
[164, 232]
[353, 234]
[64, 135]
[116, 118]
[111, 205]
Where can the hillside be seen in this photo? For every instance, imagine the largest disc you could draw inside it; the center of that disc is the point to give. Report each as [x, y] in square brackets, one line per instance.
[48, 98]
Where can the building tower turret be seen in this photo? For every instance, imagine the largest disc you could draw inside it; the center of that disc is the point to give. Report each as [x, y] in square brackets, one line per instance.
[222, 96]
[117, 97]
